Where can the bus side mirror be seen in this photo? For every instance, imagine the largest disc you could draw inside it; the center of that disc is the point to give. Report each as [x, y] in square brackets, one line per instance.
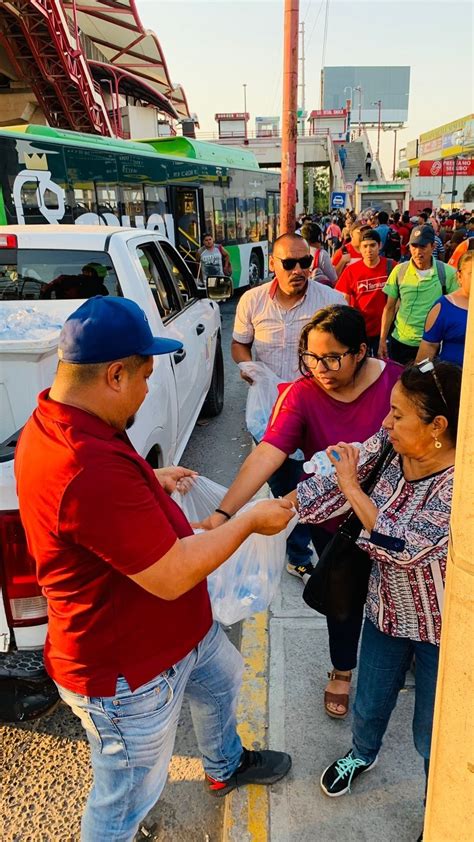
[219, 287]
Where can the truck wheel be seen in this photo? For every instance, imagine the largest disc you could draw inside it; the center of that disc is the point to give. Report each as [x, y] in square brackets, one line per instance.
[214, 402]
[255, 271]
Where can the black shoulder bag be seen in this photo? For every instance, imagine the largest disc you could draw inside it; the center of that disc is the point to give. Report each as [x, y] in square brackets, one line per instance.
[339, 582]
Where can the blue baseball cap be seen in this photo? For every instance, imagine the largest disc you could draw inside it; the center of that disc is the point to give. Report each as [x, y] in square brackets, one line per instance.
[105, 329]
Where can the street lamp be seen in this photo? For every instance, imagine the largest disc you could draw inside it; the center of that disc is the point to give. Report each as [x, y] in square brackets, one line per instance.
[360, 91]
[379, 103]
[245, 108]
[349, 109]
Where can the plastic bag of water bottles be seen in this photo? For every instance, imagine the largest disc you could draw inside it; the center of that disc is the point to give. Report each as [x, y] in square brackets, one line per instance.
[247, 582]
[261, 398]
[262, 395]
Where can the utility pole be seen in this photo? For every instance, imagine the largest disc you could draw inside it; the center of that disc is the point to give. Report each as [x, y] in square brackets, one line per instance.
[453, 190]
[450, 795]
[394, 154]
[302, 84]
[289, 117]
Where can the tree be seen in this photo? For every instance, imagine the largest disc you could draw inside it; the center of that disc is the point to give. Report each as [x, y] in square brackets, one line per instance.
[402, 175]
[321, 187]
[469, 193]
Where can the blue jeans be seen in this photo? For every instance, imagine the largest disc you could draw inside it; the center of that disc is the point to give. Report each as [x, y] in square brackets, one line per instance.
[383, 663]
[284, 480]
[132, 735]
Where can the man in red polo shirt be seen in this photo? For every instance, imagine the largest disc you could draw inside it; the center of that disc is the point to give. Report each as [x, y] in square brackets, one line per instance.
[130, 624]
[362, 284]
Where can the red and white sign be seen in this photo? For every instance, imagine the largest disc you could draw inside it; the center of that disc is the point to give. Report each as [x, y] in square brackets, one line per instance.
[236, 115]
[328, 112]
[349, 187]
[464, 166]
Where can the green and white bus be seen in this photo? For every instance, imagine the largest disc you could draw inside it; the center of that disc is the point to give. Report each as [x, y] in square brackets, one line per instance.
[178, 186]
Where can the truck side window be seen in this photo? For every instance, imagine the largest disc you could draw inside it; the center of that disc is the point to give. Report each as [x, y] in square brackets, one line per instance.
[164, 293]
[178, 270]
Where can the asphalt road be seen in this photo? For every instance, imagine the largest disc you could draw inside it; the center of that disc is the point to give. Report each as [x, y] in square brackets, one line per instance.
[45, 765]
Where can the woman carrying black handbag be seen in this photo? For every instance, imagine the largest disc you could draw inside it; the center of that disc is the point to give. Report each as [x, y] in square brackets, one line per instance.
[405, 531]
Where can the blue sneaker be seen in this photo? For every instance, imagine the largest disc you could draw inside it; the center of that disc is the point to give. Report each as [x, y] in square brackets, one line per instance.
[337, 778]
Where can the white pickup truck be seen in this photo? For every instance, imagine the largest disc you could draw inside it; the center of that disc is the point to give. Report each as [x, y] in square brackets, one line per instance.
[45, 271]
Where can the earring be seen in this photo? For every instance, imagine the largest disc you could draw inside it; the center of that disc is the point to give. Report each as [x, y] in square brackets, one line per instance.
[437, 444]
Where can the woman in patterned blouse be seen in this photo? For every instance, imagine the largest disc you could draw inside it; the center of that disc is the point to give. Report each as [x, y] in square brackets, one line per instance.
[405, 531]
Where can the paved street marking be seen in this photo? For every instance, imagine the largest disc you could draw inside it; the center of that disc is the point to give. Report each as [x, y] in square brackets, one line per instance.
[246, 810]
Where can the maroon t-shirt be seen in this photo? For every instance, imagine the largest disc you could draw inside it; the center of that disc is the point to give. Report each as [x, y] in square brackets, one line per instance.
[309, 418]
[93, 513]
[364, 285]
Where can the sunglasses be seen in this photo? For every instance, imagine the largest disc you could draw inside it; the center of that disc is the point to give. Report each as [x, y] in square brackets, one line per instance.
[290, 263]
[427, 365]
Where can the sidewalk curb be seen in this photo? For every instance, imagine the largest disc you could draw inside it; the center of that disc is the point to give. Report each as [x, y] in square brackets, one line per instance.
[246, 811]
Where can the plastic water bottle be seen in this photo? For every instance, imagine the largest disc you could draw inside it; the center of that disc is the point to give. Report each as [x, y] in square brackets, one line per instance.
[321, 464]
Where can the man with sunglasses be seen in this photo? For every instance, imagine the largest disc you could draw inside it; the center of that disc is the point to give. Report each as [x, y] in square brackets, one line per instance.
[268, 323]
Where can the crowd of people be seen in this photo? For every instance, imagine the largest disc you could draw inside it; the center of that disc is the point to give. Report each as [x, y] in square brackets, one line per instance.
[392, 268]
[367, 345]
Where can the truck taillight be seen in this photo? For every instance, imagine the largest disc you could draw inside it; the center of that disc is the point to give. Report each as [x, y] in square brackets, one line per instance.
[8, 241]
[24, 603]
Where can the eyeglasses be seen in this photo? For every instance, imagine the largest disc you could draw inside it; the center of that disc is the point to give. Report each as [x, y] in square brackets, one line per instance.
[290, 263]
[427, 365]
[331, 362]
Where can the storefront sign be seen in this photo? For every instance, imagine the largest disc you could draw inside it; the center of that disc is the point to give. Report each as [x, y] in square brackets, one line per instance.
[328, 112]
[464, 166]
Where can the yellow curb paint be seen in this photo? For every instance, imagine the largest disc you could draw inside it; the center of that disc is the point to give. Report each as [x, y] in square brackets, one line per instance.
[251, 823]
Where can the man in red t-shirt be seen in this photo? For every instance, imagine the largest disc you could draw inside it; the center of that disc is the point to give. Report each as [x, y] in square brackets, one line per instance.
[349, 252]
[362, 285]
[130, 623]
[402, 230]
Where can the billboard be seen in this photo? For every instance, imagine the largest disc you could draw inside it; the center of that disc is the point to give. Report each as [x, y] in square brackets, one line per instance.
[391, 85]
[448, 140]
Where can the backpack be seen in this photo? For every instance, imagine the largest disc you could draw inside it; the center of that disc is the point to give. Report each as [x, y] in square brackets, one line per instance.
[440, 267]
[393, 245]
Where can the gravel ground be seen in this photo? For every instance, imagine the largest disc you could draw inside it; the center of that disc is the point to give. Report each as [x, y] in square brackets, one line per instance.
[45, 765]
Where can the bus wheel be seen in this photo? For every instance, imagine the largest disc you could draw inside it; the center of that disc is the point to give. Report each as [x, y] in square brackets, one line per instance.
[214, 402]
[255, 271]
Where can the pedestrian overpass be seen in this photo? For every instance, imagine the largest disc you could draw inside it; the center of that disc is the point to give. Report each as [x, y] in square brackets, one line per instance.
[315, 150]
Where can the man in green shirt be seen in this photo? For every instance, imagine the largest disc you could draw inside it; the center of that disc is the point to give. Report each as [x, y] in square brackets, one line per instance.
[416, 286]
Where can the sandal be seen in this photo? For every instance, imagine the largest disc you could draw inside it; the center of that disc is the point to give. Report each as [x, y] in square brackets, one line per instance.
[341, 699]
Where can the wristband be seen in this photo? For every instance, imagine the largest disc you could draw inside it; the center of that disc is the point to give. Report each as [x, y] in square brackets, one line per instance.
[221, 512]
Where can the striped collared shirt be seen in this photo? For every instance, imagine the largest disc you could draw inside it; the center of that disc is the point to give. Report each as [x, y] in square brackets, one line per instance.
[275, 332]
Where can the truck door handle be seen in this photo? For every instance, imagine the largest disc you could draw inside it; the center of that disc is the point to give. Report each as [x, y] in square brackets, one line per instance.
[200, 329]
[179, 356]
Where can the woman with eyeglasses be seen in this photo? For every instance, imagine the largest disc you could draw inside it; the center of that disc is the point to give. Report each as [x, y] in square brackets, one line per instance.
[405, 531]
[342, 394]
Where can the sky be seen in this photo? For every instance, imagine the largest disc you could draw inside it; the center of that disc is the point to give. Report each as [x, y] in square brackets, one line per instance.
[214, 48]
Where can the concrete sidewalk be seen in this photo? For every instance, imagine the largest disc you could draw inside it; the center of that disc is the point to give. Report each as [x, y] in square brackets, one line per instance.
[287, 658]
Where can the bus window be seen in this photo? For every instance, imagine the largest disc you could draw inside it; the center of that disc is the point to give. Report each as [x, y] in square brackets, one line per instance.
[252, 228]
[107, 203]
[231, 221]
[85, 201]
[271, 217]
[155, 200]
[209, 217]
[219, 221]
[133, 204]
[187, 217]
[261, 219]
[241, 220]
